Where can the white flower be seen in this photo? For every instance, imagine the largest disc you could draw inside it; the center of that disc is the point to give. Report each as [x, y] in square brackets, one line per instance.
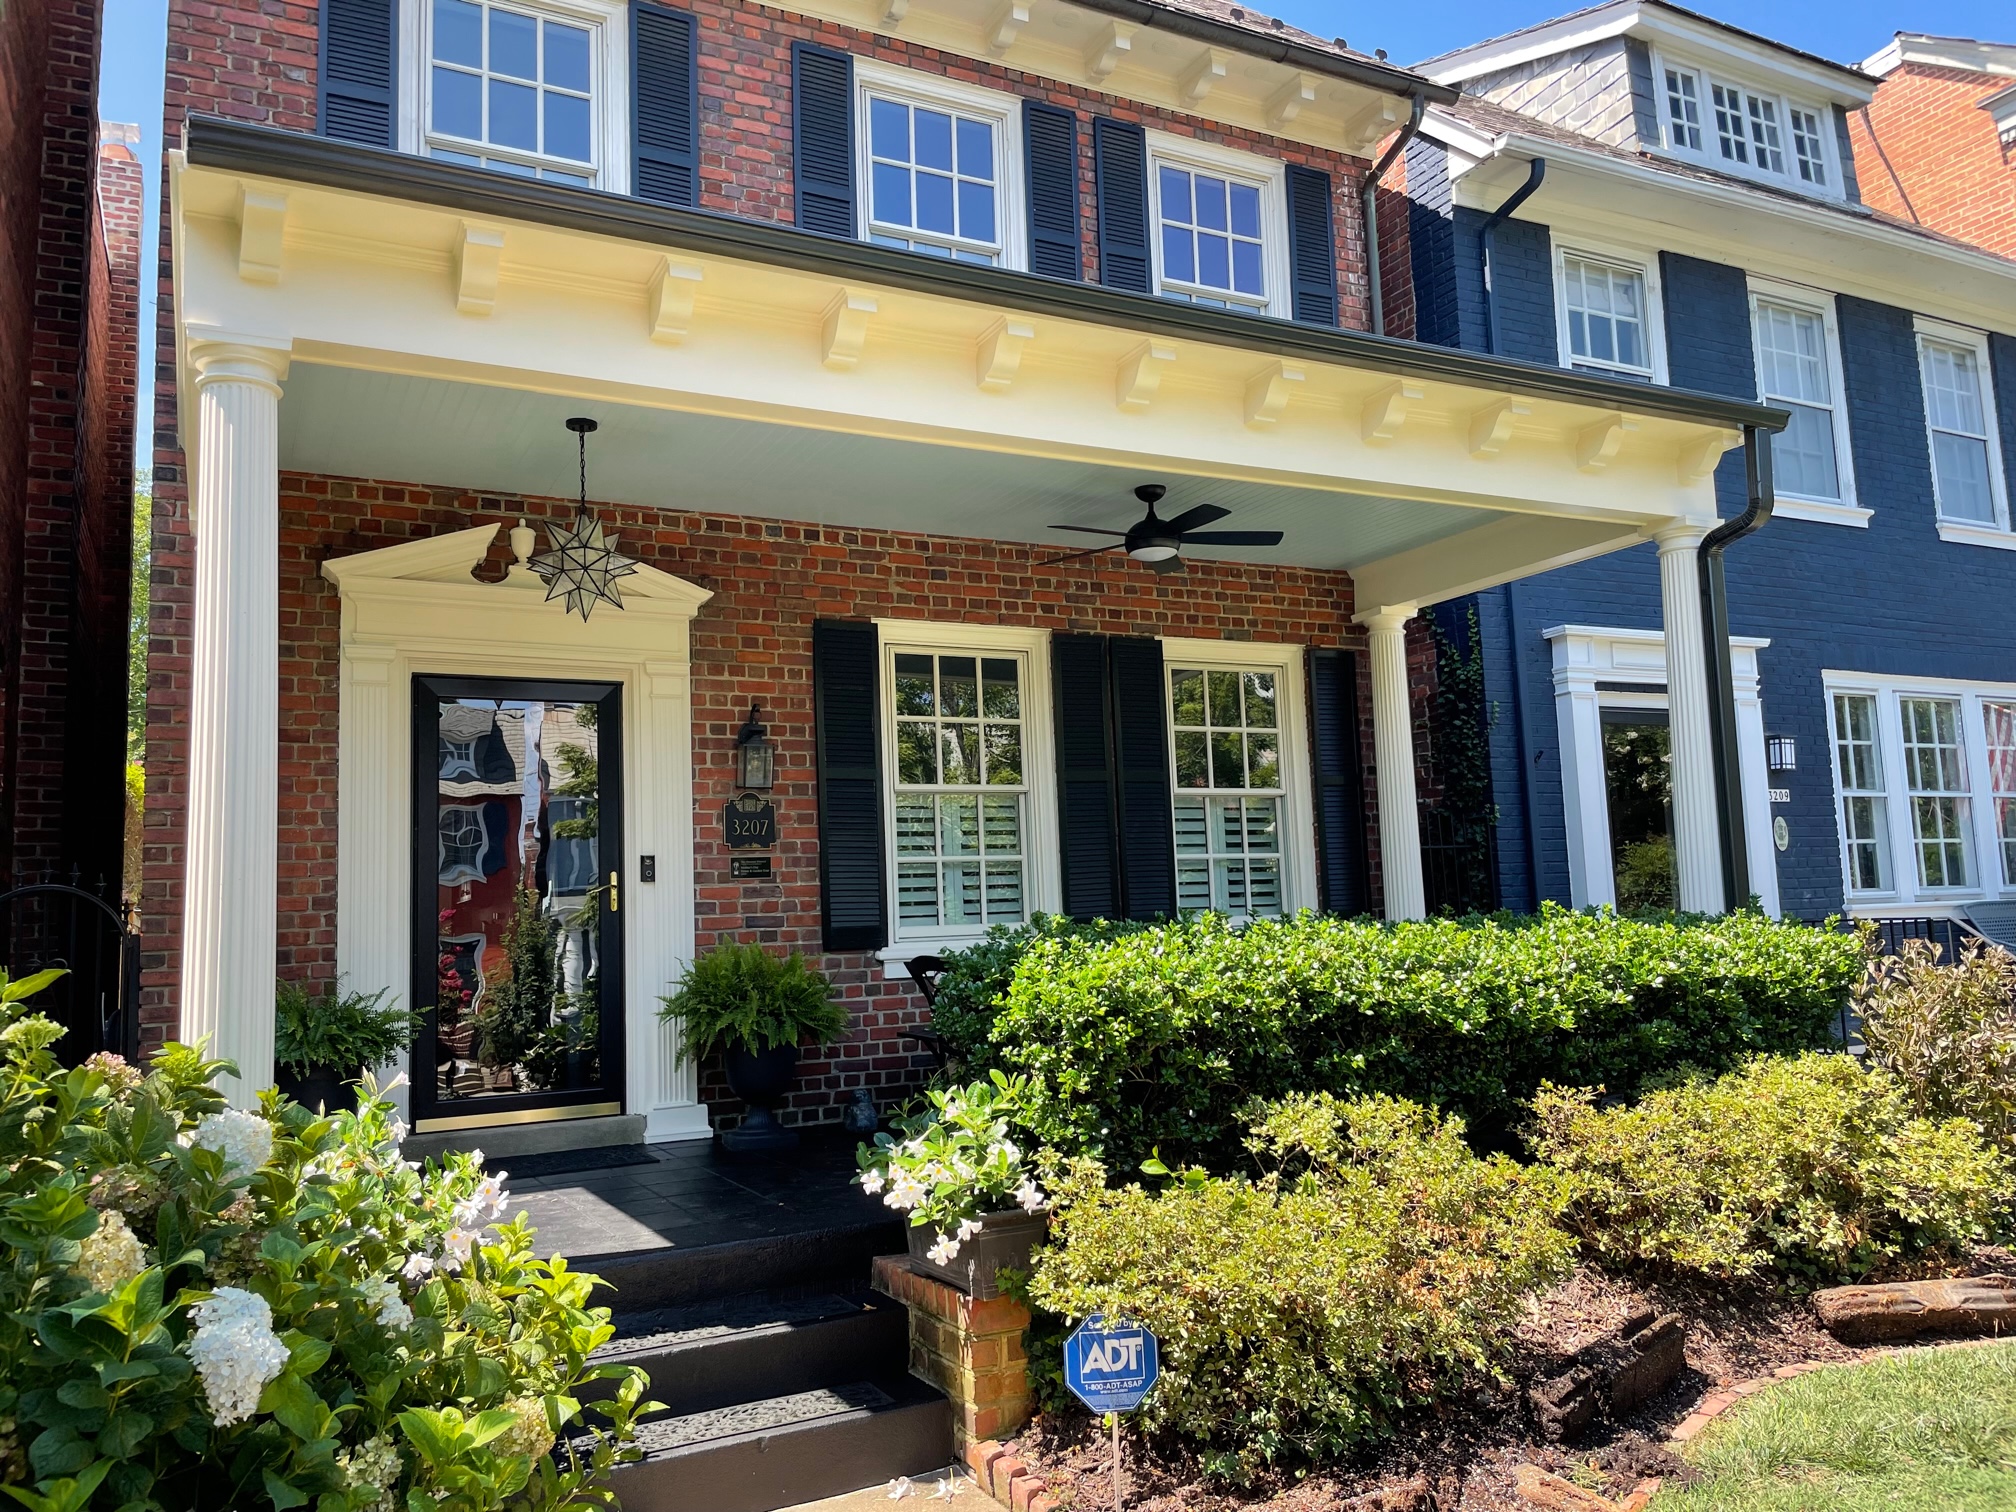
[899, 1488]
[944, 1250]
[1008, 1149]
[531, 1435]
[490, 1198]
[373, 1465]
[417, 1267]
[382, 1294]
[872, 1182]
[111, 1256]
[968, 1227]
[397, 1135]
[906, 1193]
[457, 1247]
[245, 1140]
[235, 1350]
[948, 1488]
[1030, 1196]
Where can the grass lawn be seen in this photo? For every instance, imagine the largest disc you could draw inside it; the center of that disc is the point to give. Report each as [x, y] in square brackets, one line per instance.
[1927, 1432]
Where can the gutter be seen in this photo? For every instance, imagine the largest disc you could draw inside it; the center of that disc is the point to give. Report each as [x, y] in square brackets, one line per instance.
[1721, 671]
[1536, 171]
[295, 157]
[1369, 194]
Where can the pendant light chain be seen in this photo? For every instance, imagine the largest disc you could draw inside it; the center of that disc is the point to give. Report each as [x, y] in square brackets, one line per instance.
[583, 564]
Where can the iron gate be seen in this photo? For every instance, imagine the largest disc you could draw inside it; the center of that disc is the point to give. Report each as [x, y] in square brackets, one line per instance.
[88, 936]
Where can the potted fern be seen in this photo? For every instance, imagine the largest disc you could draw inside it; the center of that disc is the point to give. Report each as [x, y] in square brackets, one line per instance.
[757, 1009]
[323, 1042]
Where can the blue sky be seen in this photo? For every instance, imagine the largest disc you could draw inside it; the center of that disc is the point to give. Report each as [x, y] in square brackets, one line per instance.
[1848, 30]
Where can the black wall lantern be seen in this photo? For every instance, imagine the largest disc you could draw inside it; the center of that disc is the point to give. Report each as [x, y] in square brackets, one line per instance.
[1781, 753]
[755, 756]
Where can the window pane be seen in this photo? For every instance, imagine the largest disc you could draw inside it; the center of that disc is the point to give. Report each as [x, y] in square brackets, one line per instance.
[1001, 820]
[1186, 696]
[1001, 681]
[1192, 836]
[913, 684]
[1176, 196]
[934, 139]
[1193, 768]
[958, 687]
[934, 204]
[1260, 700]
[1228, 760]
[1246, 276]
[1961, 466]
[514, 115]
[1934, 772]
[1211, 203]
[458, 103]
[458, 33]
[1178, 259]
[1803, 453]
[916, 753]
[976, 211]
[959, 755]
[567, 126]
[566, 57]
[1213, 261]
[1953, 389]
[1263, 761]
[1224, 689]
[916, 823]
[976, 149]
[889, 130]
[514, 45]
[958, 825]
[1004, 754]
[891, 189]
[1246, 211]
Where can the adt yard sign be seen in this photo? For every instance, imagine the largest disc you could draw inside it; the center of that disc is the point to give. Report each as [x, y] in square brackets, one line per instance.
[1111, 1369]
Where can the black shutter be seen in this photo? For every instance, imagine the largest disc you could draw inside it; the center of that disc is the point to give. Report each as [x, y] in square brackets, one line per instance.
[822, 91]
[1147, 827]
[846, 659]
[1340, 791]
[665, 81]
[1078, 686]
[1312, 248]
[1050, 149]
[359, 46]
[1120, 170]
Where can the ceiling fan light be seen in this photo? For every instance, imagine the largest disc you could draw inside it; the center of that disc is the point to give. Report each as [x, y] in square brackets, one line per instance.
[1152, 552]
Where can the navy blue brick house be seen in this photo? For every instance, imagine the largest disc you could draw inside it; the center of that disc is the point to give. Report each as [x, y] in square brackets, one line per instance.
[1696, 222]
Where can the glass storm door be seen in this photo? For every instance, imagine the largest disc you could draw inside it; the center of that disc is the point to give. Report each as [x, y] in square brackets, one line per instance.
[517, 930]
[1638, 778]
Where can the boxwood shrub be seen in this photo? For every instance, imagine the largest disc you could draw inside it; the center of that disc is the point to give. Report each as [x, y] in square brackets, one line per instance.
[1159, 1036]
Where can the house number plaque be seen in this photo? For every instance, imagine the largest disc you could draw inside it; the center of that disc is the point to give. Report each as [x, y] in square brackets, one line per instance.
[749, 822]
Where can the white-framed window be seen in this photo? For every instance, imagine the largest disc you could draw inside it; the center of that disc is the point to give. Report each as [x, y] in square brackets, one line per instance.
[462, 843]
[1925, 781]
[1748, 128]
[970, 816]
[940, 166]
[1798, 352]
[1961, 432]
[1608, 313]
[1220, 226]
[532, 88]
[1809, 148]
[1683, 109]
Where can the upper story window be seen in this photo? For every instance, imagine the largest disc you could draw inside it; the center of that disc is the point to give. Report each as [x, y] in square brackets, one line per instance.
[1607, 323]
[1683, 109]
[1219, 227]
[1757, 133]
[1746, 128]
[1799, 367]
[1959, 411]
[512, 88]
[937, 160]
[1808, 146]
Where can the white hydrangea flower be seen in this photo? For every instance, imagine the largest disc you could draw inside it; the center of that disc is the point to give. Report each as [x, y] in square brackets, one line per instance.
[945, 1250]
[382, 1294]
[531, 1435]
[236, 1352]
[417, 1267]
[111, 1256]
[1030, 1196]
[245, 1140]
[374, 1465]
[872, 1182]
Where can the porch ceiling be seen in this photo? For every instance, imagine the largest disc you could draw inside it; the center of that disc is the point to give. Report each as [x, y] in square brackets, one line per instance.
[396, 427]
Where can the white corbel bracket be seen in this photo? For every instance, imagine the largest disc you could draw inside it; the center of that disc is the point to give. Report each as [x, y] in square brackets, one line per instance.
[893, 12]
[669, 305]
[1286, 102]
[1140, 375]
[1268, 392]
[1491, 426]
[1364, 130]
[997, 356]
[479, 258]
[1698, 458]
[1006, 26]
[1198, 78]
[1111, 44]
[1386, 411]
[262, 226]
[1597, 446]
[846, 330]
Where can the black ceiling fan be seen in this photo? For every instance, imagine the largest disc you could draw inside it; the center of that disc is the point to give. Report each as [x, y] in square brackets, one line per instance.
[1158, 543]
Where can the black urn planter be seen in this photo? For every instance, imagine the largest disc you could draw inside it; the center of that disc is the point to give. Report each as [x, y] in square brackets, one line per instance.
[326, 1089]
[760, 1078]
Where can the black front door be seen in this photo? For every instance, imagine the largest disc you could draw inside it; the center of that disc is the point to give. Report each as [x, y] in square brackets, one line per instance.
[518, 924]
[1638, 779]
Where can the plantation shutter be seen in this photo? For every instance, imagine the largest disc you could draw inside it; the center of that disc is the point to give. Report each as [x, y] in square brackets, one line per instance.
[1084, 775]
[666, 127]
[1050, 149]
[1312, 247]
[1120, 174]
[845, 696]
[822, 89]
[1146, 825]
[358, 51]
[1340, 791]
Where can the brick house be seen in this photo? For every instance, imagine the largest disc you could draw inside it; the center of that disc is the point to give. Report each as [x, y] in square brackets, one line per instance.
[876, 308]
[1938, 140]
[69, 290]
[1638, 190]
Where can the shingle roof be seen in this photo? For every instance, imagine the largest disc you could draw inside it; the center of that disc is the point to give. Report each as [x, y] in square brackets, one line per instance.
[1247, 19]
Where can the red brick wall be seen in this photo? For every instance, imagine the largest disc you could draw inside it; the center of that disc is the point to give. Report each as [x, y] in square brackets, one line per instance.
[1926, 151]
[770, 579]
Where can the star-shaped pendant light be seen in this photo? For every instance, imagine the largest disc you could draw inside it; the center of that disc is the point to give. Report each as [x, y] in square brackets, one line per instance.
[583, 564]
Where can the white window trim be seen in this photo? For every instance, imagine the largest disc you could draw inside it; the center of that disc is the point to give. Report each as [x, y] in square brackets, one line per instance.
[1646, 265]
[1042, 874]
[1965, 532]
[1985, 843]
[609, 79]
[1272, 177]
[1844, 510]
[1710, 153]
[1298, 812]
[933, 92]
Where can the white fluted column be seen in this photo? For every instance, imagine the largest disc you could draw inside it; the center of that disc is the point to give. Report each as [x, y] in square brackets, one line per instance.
[229, 911]
[1697, 833]
[1393, 757]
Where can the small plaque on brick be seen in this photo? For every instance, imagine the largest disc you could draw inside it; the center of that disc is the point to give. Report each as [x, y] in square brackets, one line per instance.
[749, 868]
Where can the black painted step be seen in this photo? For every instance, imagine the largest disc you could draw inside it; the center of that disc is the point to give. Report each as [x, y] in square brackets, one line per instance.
[748, 1349]
[836, 1255]
[764, 1455]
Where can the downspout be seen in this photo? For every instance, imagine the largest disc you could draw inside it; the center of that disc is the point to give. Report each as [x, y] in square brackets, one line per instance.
[1536, 170]
[1370, 195]
[1721, 670]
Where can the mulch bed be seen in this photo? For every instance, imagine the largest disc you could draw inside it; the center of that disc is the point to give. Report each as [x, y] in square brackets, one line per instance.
[1460, 1456]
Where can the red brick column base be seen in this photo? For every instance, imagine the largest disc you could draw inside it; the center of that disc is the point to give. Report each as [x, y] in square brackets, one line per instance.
[971, 1351]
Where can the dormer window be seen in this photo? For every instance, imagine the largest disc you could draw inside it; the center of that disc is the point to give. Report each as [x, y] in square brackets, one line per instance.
[1752, 132]
[1807, 146]
[1683, 109]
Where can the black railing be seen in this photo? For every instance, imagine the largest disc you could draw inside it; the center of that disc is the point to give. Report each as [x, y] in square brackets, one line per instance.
[1459, 863]
[86, 933]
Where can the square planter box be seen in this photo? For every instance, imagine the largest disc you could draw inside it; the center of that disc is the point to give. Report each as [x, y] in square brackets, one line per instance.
[1005, 1239]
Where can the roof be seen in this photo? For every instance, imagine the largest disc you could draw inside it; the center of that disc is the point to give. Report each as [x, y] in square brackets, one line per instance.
[1755, 38]
[1966, 54]
[1496, 120]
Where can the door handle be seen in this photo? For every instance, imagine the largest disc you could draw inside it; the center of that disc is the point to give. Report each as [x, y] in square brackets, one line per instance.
[615, 895]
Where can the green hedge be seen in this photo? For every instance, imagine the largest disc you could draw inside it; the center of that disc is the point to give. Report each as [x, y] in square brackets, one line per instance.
[1159, 1037]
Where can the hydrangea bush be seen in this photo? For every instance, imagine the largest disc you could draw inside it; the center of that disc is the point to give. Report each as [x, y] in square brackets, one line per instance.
[208, 1307]
[953, 1163]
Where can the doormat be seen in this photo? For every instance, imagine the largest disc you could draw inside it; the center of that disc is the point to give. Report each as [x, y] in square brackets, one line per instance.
[567, 1162]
